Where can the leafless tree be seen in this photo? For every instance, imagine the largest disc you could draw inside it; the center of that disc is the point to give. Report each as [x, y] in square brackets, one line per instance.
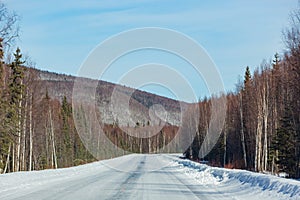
[9, 26]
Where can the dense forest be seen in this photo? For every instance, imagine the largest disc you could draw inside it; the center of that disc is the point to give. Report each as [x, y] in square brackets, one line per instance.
[262, 129]
[261, 132]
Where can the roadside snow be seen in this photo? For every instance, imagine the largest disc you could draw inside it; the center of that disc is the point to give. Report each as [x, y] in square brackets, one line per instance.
[269, 186]
[174, 177]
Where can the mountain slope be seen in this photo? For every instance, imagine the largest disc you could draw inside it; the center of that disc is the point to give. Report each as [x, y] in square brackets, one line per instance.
[58, 86]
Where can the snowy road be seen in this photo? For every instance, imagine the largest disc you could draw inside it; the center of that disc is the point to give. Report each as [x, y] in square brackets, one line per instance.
[174, 179]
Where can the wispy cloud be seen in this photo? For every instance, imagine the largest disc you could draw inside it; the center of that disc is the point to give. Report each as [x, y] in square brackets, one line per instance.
[235, 33]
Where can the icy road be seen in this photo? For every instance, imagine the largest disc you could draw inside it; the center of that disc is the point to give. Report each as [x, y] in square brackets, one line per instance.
[145, 177]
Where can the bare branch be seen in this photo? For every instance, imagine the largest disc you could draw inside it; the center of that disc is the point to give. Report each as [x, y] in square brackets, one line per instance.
[9, 27]
[291, 35]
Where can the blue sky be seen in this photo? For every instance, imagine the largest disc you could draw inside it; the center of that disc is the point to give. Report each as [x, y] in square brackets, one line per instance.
[59, 35]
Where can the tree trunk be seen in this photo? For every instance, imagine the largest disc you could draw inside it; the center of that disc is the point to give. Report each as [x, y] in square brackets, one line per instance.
[149, 142]
[30, 137]
[7, 159]
[258, 145]
[19, 130]
[242, 131]
[225, 146]
[13, 157]
[265, 136]
[23, 158]
[53, 140]
[265, 99]
[141, 145]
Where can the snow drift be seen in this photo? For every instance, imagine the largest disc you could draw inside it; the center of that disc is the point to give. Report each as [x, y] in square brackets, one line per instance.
[274, 186]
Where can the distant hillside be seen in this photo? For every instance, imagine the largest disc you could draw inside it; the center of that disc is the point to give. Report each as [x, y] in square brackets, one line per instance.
[40, 128]
[59, 85]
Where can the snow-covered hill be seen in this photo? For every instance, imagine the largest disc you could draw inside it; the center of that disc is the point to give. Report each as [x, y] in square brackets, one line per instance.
[146, 177]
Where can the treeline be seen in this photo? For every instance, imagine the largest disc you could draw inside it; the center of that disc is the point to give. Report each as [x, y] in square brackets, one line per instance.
[262, 129]
[36, 131]
[133, 143]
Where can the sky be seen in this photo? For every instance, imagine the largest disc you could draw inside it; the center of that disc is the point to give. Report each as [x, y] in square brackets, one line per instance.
[60, 35]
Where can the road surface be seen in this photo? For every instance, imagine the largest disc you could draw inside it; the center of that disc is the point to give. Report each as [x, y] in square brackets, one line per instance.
[129, 177]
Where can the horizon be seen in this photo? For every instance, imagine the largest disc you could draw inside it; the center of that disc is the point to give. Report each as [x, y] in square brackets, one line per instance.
[234, 34]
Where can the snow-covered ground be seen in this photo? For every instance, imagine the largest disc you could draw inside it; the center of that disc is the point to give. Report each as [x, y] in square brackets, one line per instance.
[146, 177]
[241, 183]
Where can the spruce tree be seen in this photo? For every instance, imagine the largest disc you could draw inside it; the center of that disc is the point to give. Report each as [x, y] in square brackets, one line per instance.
[247, 77]
[16, 80]
[16, 95]
[246, 113]
[66, 114]
[16, 88]
[285, 143]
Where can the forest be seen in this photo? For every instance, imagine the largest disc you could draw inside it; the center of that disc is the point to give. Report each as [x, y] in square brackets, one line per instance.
[262, 128]
[261, 132]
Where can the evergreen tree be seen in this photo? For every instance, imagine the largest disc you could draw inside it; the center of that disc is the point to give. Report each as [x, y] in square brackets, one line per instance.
[16, 96]
[285, 144]
[66, 114]
[16, 85]
[247, 107]
[247, 77]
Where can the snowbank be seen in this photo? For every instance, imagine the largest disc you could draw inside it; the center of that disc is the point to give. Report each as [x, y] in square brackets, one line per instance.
[206, 175]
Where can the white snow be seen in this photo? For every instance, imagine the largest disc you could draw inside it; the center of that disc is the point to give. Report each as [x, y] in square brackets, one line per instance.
[139, 179]
[248, 182]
